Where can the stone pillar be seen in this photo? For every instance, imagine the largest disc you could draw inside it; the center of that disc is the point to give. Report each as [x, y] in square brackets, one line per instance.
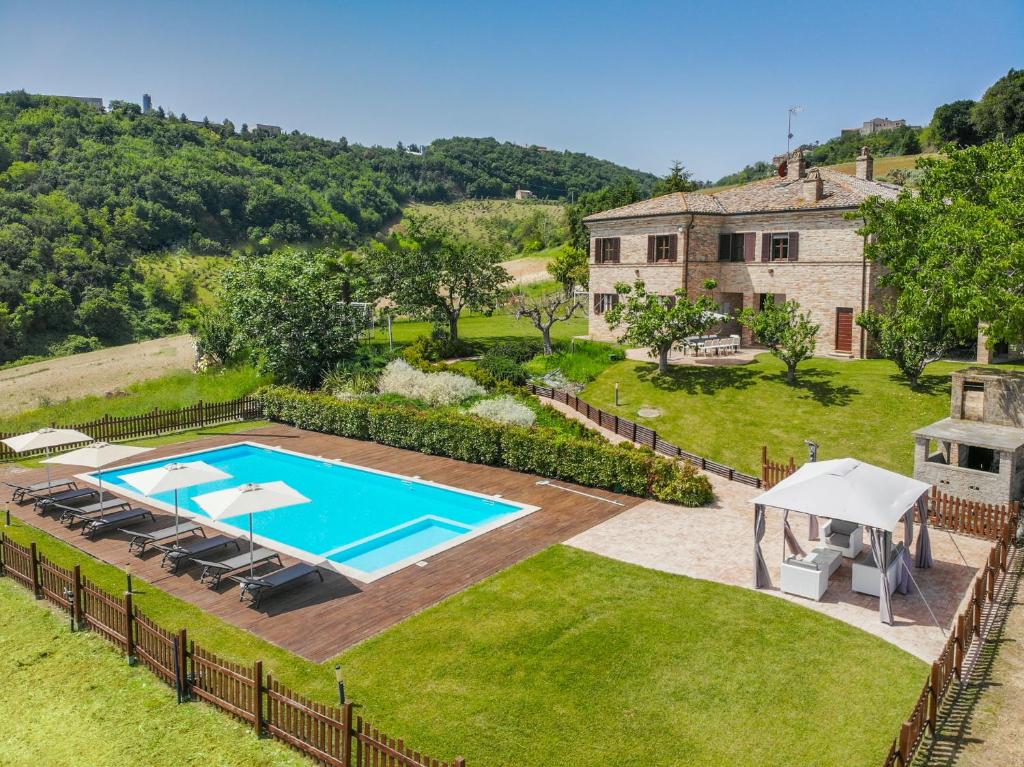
[985, 354]
[865, 165]
[796, 165]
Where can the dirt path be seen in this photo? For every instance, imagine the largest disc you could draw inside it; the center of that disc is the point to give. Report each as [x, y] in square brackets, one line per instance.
[28, 386]
[527, 270]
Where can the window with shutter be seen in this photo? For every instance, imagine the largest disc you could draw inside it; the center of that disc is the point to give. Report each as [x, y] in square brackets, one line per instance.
[732, 247]
[664, 249]
[780, 247]
[608, 250]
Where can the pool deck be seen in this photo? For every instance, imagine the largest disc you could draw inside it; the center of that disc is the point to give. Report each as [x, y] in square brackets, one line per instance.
[318, 621]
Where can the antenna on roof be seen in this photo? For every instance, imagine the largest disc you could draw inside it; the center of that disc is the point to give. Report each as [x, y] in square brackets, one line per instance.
[789, 126]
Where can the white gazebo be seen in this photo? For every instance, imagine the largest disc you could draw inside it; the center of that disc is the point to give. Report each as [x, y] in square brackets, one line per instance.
[856, 492]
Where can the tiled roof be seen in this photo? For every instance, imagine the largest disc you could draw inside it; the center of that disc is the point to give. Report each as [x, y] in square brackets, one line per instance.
[839, 190]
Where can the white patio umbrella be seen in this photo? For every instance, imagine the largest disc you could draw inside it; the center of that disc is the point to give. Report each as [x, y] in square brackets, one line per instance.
[174, 476]
[45, 439]
[249, 499]
[96, 456]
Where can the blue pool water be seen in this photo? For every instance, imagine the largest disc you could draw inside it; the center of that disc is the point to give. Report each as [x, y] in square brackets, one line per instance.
[362, 520]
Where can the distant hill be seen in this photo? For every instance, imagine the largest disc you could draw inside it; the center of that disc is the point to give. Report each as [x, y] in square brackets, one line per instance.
[86, 193]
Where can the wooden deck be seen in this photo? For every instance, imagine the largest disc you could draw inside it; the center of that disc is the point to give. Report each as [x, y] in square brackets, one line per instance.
[317, 621]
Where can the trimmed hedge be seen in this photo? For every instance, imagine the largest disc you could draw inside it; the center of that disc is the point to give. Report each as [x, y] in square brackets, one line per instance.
[620, 468]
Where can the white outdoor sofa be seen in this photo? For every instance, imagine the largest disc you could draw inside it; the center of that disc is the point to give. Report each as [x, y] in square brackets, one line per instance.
[808, 576]
[845, 537]
[865, 571]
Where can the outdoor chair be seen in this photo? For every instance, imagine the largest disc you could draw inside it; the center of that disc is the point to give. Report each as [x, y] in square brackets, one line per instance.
[256, 588]
[177, 557]
[117, 521]
[141, 540]
[845, 537]
[865, 572]
[23, 494]
[75, 497]
[214, 571]
[72, 514]
[803, 578]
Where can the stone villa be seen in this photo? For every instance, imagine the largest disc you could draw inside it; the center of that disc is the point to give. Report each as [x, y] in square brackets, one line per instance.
[786, 236]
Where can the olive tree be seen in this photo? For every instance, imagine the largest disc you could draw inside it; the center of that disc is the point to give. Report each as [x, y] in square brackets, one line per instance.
[788, 334]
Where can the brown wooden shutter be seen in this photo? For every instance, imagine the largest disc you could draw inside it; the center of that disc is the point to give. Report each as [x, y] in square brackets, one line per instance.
[615, 249]
[597, 303]
[794, 245]
[650, 248]
[597, 250]
[748, 246]
[766, 246]
[673, 248]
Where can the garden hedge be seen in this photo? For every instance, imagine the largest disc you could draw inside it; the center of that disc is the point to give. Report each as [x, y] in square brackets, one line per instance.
[619, 468]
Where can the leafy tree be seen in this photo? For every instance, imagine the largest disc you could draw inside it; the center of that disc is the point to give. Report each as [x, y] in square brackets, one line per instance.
[678, 180]
[956, 245]
[103, 316]
[1000, 113]
[952, 124]
[547, 309]
[911, 339]
[288, 308]
[788, 334]
[571, 267]
[659, 322]
[213, 333]
[431, 272]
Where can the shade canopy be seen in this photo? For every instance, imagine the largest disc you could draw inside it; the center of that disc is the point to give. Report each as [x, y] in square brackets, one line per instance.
[97, 455]
[251, 498]
[44, 439]
[847, 489]
[174, 476]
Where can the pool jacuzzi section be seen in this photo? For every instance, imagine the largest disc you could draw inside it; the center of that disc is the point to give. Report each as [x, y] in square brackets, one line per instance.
[360, 522]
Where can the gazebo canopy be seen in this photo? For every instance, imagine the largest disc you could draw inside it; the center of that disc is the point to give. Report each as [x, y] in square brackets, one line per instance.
[847, 489]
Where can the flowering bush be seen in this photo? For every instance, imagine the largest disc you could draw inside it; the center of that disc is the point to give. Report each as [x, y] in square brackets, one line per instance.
[504, 410]
[399, 377]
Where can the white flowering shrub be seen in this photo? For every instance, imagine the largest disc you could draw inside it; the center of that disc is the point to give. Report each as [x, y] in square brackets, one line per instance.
[399, 377]
[504, 410]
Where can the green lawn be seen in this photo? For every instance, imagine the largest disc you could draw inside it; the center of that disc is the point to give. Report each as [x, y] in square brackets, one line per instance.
[858, 408]
[573, 659]
[70, 700]
[174, 390]
[482, 329]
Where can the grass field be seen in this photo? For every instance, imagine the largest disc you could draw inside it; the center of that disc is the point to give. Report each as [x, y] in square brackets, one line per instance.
[467, 216]
[858, 408]
[483, 329]
[70, 700]
[567, 658]
[173, 390]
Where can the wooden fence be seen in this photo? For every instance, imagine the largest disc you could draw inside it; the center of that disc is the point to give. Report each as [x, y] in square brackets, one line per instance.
[642, 435]
[328, 734]
[154, 423]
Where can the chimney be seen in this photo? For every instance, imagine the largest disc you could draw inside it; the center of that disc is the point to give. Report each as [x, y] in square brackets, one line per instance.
[865, 165]
[796, 167]
[811, 188]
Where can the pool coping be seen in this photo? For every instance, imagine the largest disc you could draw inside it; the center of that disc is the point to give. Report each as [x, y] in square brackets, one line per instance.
[314, 559]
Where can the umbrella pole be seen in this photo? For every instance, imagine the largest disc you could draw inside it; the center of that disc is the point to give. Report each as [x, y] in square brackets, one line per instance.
[99, 478]
[175, 518]
[49, 471]
[250, 546]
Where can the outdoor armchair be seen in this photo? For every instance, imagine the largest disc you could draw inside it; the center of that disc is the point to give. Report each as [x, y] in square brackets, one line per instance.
[845, 537]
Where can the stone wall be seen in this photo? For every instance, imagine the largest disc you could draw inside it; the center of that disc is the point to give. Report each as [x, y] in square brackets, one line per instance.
[830, 271]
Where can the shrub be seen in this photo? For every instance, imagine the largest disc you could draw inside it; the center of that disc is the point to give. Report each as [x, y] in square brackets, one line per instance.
[437, 347]
[75, 345]
[621, 468]
[433, 388]
[504, 410]
[503, 369]
[516, 349]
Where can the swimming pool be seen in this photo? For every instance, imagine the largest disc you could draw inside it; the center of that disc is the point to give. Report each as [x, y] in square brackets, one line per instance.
[361, 522]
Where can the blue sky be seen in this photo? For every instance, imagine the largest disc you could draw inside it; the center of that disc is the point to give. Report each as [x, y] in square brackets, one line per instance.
[640, 83]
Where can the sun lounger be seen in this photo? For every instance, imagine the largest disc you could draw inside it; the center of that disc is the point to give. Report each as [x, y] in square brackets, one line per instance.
[256, 587]
[117, 521]
[24, 493]
[75, 497]
[141, 540]
[176, 557]
[72, 514]
[214, 571]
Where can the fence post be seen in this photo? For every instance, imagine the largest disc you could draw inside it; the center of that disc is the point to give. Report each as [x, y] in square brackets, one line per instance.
[961, 645]
[202, 415]
[257, 708]
[346, 743]
[129, 629]
[3, 548]
[180, 669]
[36, 584]
[933, 697]
[459, 762]
[76, 596]
[905, 741]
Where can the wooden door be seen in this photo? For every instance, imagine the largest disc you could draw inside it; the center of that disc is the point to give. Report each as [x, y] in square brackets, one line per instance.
[844, 329]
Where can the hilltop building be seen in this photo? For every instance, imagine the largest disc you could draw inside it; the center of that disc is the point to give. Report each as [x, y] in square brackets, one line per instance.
[875, 125]
[92, 101]
[786, 237]
[270, 130]
[147, 104]
[524, 194]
